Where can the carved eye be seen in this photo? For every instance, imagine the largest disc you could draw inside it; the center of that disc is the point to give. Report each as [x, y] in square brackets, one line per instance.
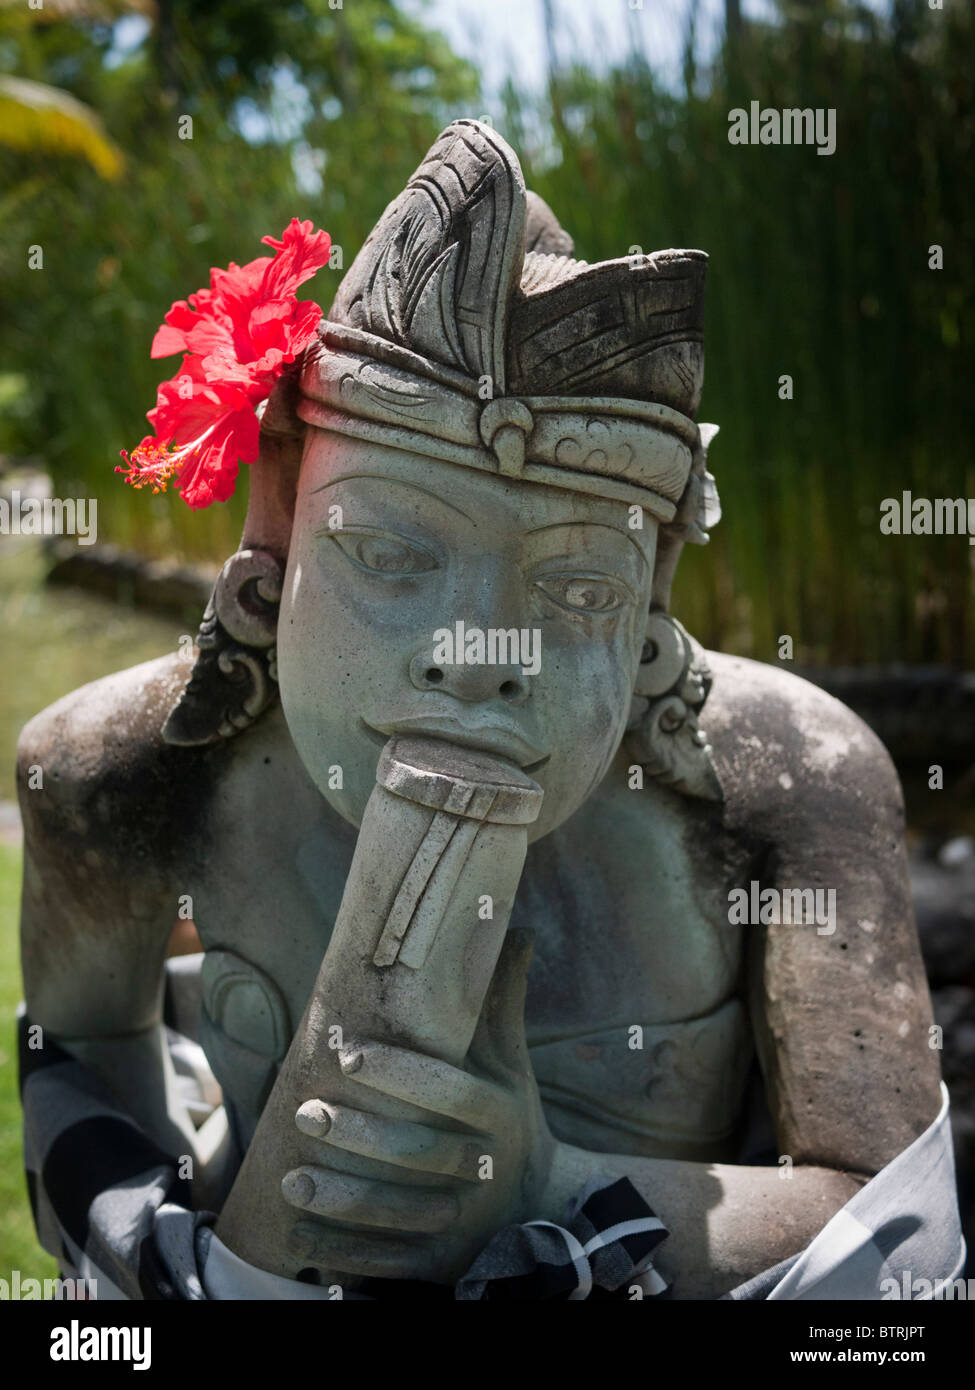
[582, 593]
[384, 554]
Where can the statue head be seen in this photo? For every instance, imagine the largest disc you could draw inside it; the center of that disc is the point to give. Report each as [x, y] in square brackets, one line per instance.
[479, 487]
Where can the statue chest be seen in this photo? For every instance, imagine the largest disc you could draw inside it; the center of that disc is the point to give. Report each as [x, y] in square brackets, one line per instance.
[638, 1039]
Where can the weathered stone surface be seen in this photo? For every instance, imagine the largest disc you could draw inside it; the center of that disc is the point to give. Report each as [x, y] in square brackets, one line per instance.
[494, 435]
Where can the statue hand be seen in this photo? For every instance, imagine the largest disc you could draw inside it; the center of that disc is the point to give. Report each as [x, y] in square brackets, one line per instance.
[477, 1159]
[410, 969]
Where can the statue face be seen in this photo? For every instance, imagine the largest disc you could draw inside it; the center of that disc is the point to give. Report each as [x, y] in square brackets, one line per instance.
[390, 552]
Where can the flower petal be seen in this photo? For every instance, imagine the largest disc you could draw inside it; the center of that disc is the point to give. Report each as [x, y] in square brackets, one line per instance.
[237, 336]
[301, 252]
[211, 474]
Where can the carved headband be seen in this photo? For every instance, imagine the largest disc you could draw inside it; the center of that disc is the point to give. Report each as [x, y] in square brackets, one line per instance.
[632, 451]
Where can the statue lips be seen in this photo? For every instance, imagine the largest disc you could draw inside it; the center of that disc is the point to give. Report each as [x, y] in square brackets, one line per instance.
[501, 739]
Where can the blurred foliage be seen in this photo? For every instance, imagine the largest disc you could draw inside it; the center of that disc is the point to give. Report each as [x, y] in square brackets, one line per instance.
[43, 120]
[819, 270]
[819, 265]
[267, 88]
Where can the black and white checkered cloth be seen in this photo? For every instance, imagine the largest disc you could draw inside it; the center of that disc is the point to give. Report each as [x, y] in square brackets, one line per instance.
[603, 1251]
[110, 1205]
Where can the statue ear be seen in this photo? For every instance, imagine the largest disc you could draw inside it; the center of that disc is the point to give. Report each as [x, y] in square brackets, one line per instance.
[234, 677]
[698, 510]
[670, 543]
[671, 686]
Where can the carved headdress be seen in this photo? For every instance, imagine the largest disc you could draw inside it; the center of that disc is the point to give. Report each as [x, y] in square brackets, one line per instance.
[464, 330]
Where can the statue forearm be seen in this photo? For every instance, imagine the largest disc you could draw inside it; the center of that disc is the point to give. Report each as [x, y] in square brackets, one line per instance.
[727, 1222]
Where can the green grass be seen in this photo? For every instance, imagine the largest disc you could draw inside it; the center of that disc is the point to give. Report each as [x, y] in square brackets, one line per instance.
[18, 1244]
[56, 639]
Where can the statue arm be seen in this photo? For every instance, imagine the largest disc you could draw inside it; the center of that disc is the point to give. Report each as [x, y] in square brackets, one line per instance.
[95, 990]
[840, 1017]
[96, 918]
[841, 1011]
[726, 1222]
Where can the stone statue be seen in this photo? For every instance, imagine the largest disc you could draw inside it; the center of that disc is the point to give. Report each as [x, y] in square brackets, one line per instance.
[459, 854]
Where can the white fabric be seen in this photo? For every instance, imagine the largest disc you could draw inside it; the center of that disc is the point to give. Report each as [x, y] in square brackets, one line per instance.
[905, 1220]
[227, 1276]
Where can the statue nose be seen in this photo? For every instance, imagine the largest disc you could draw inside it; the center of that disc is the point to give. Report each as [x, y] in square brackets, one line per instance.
[472, 683]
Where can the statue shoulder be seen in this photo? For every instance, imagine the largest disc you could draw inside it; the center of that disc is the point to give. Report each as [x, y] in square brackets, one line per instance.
[94, 772]
[782, 745]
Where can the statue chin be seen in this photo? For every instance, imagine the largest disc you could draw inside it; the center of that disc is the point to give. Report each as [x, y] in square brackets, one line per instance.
[342, 761]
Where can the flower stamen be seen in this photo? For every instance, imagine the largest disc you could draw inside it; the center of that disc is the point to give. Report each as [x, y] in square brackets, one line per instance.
[152, 464]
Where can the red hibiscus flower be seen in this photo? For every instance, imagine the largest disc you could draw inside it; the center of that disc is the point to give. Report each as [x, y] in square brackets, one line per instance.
[238, 336]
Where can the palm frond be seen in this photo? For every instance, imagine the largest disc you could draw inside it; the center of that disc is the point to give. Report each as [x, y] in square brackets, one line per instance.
[48, 121]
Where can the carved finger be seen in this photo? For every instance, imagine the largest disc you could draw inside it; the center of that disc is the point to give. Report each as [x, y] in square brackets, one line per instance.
[359, 1253]
[365, 1202]
[391, 1141]
[425, 1082]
